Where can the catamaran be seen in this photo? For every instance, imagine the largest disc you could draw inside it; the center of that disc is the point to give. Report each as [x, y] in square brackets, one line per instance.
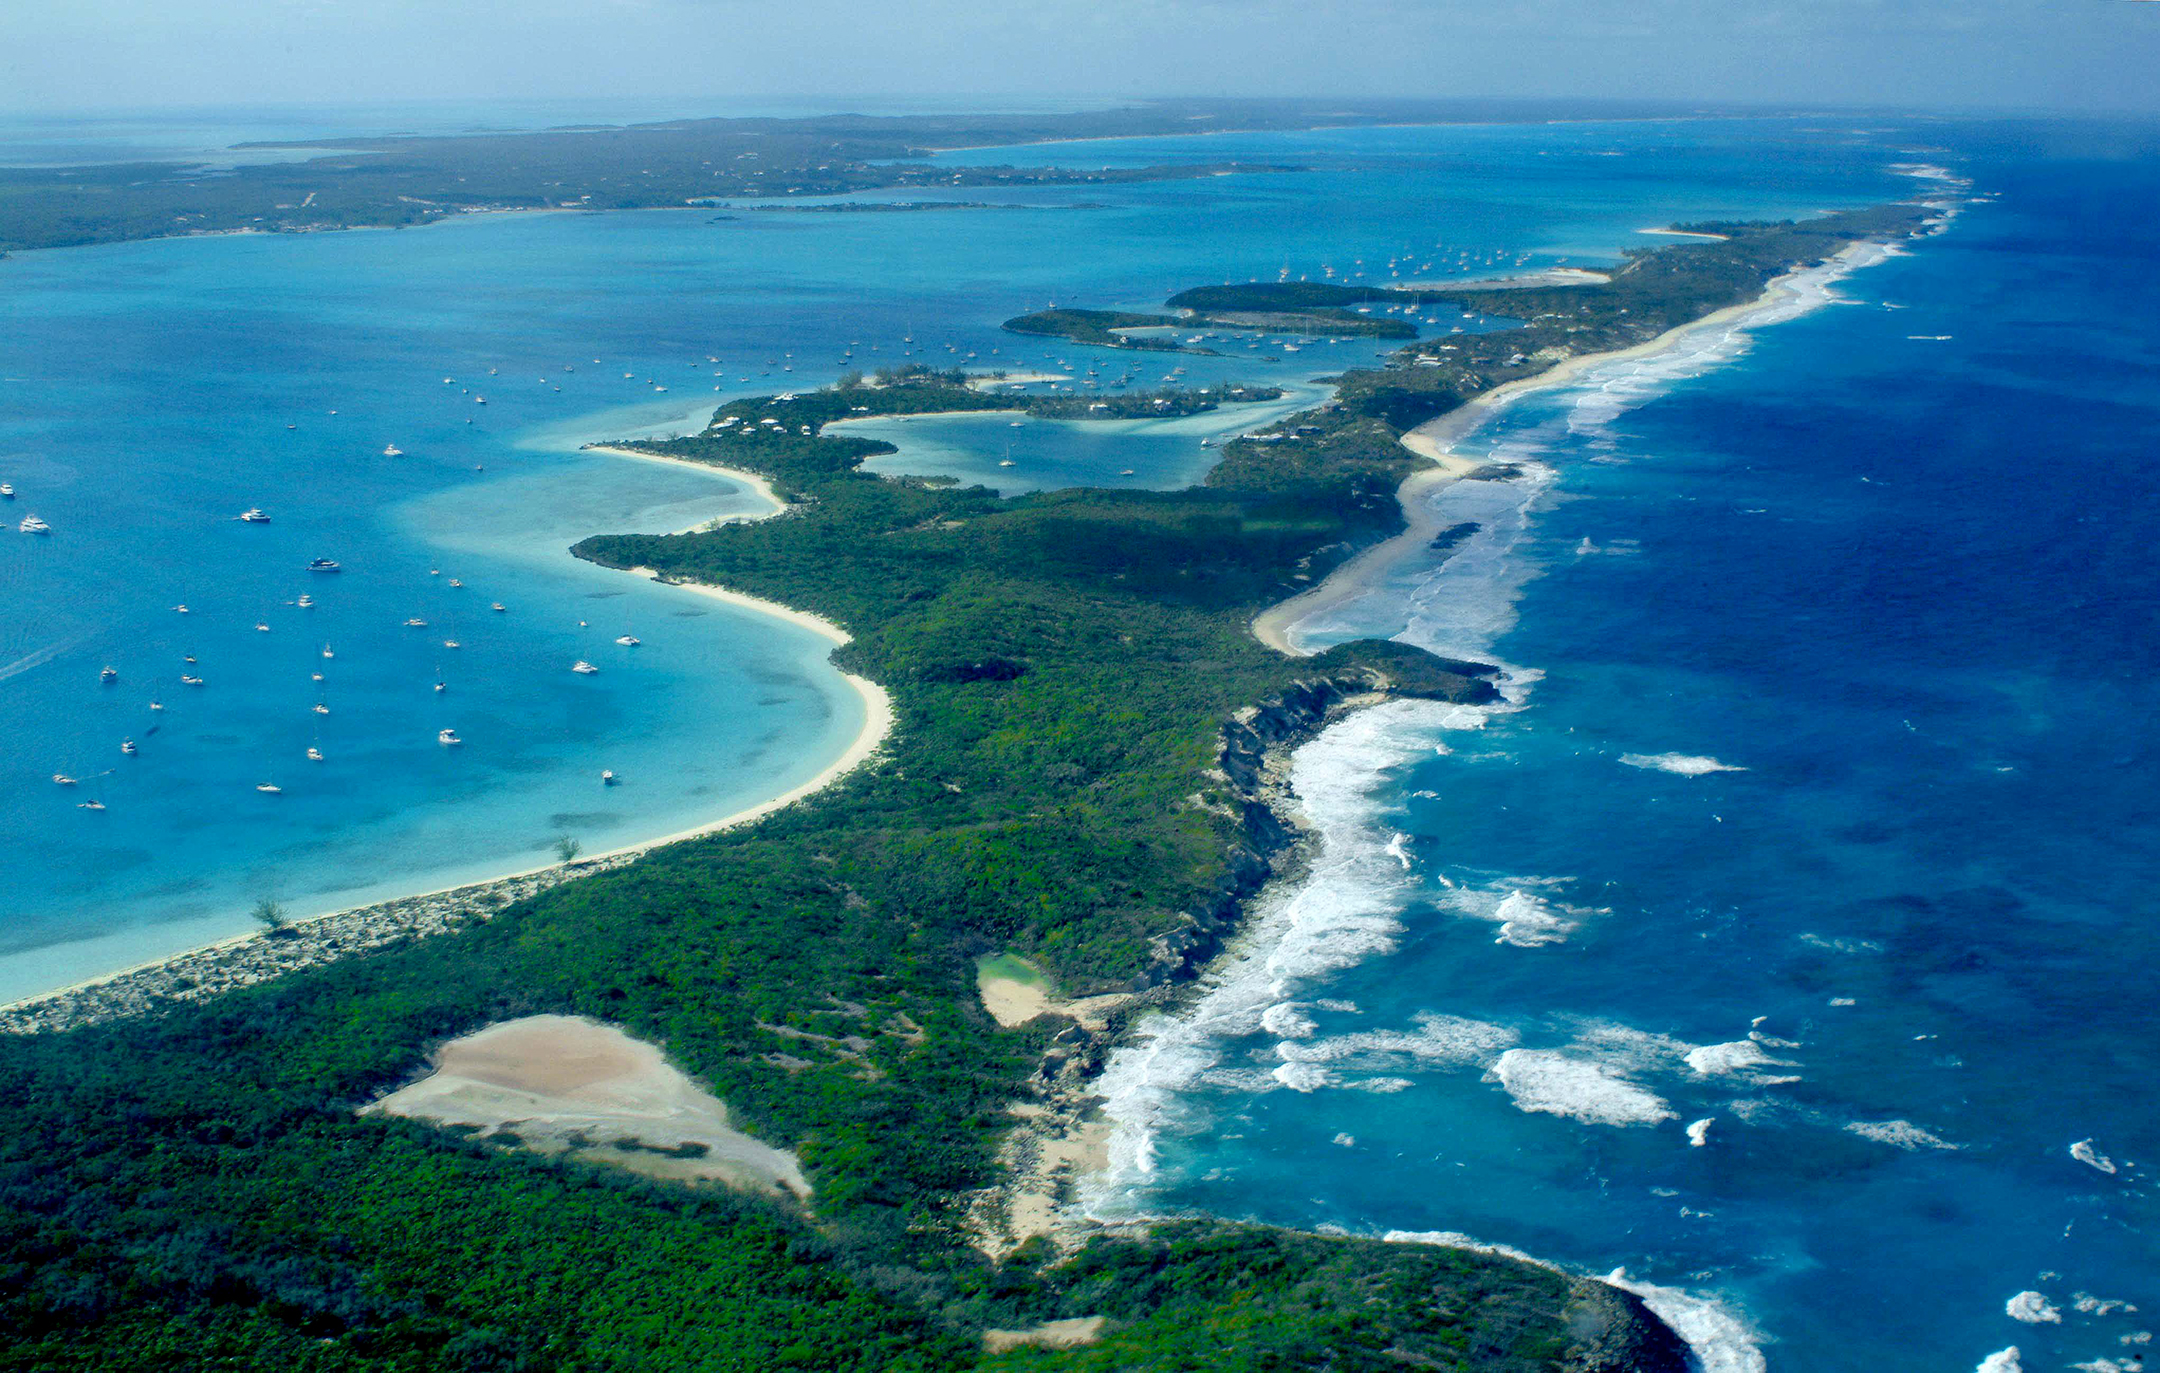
[629, 641]
[583, 668]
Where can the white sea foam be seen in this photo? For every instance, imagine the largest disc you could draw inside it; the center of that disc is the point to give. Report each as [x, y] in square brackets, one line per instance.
[1287, 1019]
[2033, 1309]
[1899, 1134]
[1346, 913]
[2084, 1152]
[2001, 1361]
[1562, 1084]
[1720, 1337]
[1527, 909]
[1685, 764]
[1698, 1132]
[1382, 1085]
[1742, 1058]
[2089, 1305]
[1609, 390]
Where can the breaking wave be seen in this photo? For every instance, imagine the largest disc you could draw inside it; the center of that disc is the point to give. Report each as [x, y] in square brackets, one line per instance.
[1686, 765]
[1257, 1023]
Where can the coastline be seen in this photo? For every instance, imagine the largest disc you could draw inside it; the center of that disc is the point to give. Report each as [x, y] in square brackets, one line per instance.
[198, 973]
[1064, 1146]
[1435, 441]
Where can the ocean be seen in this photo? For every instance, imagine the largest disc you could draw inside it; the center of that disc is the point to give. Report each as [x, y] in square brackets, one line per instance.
[1785, 940]
[1774, 943]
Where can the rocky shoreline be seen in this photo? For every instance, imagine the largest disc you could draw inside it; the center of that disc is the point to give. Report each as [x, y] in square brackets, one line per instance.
[209, 972]
[1059, 1136]
[1059, 1133]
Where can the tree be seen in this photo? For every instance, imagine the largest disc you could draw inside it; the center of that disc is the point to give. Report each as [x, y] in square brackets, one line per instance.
[270, 914]
[567, 849]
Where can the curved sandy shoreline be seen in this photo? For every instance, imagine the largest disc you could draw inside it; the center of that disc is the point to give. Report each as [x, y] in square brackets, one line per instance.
[424, 912]
[1435, 440]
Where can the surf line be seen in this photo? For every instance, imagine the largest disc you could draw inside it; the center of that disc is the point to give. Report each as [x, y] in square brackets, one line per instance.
[1436, 440]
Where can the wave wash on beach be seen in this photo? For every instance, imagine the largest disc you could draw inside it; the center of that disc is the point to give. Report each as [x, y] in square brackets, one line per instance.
[1270, 1018]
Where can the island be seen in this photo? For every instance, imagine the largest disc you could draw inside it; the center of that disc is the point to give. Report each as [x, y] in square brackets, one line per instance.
[892, 995]
[395, 182]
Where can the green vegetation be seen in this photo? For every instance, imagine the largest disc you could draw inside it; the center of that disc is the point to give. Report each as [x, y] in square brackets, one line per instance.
[195, 1188]
[1100, 326]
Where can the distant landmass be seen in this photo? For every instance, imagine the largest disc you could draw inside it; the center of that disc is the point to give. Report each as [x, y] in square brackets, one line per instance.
[399, 181]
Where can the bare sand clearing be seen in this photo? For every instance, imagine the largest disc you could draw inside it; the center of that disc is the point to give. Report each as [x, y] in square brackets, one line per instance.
[1014, 992]
[564, 1084]
[1065, 1334]
[1436, 439]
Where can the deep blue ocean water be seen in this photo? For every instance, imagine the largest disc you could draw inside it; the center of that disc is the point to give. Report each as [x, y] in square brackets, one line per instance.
[1822, 811]
[1824, 815]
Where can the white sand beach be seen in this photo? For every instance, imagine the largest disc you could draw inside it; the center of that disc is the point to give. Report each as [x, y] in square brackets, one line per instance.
[1435, 440]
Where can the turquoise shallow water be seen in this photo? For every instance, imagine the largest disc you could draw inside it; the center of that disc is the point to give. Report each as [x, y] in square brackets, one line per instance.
[1556, 936]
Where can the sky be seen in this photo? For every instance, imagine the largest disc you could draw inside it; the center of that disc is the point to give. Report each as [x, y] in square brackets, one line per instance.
[2049, 54]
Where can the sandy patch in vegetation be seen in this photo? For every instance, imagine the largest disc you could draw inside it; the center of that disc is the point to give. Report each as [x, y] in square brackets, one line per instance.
[567, 1085]
[1015, 991]
[1065, 1334]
